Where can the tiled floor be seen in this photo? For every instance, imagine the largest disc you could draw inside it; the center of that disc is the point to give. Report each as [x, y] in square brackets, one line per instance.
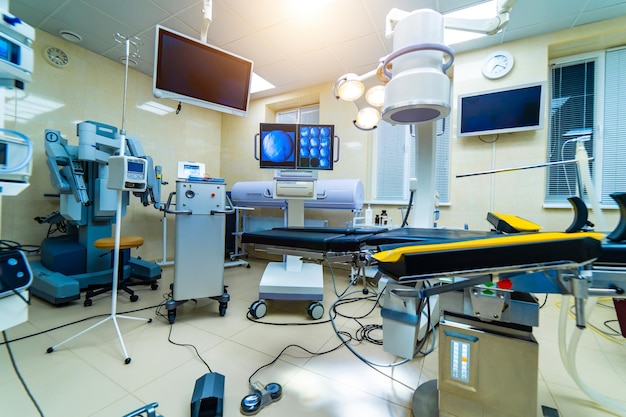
[87, 376]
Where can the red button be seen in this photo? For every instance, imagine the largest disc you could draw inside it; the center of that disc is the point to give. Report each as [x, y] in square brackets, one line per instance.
[505, 284]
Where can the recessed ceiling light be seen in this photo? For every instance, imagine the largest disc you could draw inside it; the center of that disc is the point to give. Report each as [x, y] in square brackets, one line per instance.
[131, 62]
[68, 35]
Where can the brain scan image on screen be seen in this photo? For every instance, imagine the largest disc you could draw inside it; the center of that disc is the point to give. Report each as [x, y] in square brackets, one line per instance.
[315, 147]
[278, 146]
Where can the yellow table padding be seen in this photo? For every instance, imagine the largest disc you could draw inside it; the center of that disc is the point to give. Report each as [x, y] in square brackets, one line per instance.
[394, 255]
[518, 223]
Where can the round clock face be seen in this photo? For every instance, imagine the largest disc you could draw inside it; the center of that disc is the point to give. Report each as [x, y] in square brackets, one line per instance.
[498, 65]
[56, 56]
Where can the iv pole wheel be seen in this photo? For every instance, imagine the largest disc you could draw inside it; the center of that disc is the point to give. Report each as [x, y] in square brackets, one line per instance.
[126, 361]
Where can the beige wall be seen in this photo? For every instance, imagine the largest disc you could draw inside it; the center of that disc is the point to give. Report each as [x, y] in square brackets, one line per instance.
[91, 88]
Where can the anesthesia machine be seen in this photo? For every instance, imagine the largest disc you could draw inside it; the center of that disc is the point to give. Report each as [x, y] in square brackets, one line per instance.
[201, 209]
[87, 208]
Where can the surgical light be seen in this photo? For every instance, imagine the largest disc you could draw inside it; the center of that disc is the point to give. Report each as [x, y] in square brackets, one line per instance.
[376, 96]
[349, 87]
[367, 118]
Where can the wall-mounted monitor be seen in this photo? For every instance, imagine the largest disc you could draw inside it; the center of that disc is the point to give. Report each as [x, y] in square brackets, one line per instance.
[296, 146]
[191, 71]
[502, 111]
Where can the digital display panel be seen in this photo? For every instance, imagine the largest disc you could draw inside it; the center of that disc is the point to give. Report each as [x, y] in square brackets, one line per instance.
[135, 166]
[501, 111]
[278, 146]
[190, 71]
[315, 147]
[296, 146]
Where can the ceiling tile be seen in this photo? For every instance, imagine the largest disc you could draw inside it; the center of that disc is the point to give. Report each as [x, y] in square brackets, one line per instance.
[250, 47]
[226, 26]
[321, 66]
[131, 13]
[358, 52]
[174, 7]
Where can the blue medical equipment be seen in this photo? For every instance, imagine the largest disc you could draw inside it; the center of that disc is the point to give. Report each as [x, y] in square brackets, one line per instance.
[70, 263]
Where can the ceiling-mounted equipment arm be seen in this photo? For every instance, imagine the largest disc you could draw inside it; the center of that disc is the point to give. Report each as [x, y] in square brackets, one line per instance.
[489, 26]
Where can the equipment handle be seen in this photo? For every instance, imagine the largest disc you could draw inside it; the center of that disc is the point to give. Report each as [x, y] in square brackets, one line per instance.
[256, 136]
[169, 203]
[338, 147]
[229, 210]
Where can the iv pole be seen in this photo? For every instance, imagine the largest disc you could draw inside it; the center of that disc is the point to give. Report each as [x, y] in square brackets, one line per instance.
[118, 221]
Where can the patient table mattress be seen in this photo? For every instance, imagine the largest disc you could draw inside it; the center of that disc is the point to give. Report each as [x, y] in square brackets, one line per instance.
[491, 253]
[325, 239]
[410, 252]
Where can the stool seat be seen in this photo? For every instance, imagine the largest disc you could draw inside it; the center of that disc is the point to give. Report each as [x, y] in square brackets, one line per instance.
[126, 242]
[108, 243]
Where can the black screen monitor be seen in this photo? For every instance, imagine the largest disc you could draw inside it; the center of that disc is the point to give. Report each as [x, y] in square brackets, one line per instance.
[297, 146]
[190, 71]
[502, 111]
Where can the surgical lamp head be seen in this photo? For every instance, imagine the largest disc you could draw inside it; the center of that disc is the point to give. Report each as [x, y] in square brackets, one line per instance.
[351, 87]
[418, 89]
[348, 87]
[367, 118]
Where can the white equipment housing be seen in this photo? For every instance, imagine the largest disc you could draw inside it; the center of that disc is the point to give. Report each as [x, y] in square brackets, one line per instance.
[343, 194]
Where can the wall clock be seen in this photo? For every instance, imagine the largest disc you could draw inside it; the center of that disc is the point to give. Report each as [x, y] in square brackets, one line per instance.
[56, 56]
[497, 65]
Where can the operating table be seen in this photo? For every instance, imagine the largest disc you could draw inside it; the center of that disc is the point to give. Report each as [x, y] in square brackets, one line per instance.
[486, 281]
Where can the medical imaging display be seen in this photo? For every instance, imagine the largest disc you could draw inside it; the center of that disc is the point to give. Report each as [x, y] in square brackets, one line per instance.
[296, 146]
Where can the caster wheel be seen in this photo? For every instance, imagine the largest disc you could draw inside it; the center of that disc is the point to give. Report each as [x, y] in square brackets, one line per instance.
[171, 316]
[126, 361]
[258, 309]
[248, 266]
[154, 286]
[315, 310]
[134, 298]
[50, 350]
[223, 307]
[88, 302]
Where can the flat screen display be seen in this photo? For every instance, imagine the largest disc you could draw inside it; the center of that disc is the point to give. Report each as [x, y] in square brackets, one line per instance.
[296, 146]
[278, 146]
[502, 111]
[190, 71]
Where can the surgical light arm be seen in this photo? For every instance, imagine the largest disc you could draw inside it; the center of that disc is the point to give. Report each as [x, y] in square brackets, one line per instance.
[486, 26]
[489, 26]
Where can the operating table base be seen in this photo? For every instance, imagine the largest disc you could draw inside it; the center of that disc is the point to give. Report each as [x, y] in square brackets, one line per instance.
[485, 370]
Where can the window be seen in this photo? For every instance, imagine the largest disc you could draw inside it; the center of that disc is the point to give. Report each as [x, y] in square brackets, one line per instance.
[587, 100]
[394, 162]
[303, 115]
